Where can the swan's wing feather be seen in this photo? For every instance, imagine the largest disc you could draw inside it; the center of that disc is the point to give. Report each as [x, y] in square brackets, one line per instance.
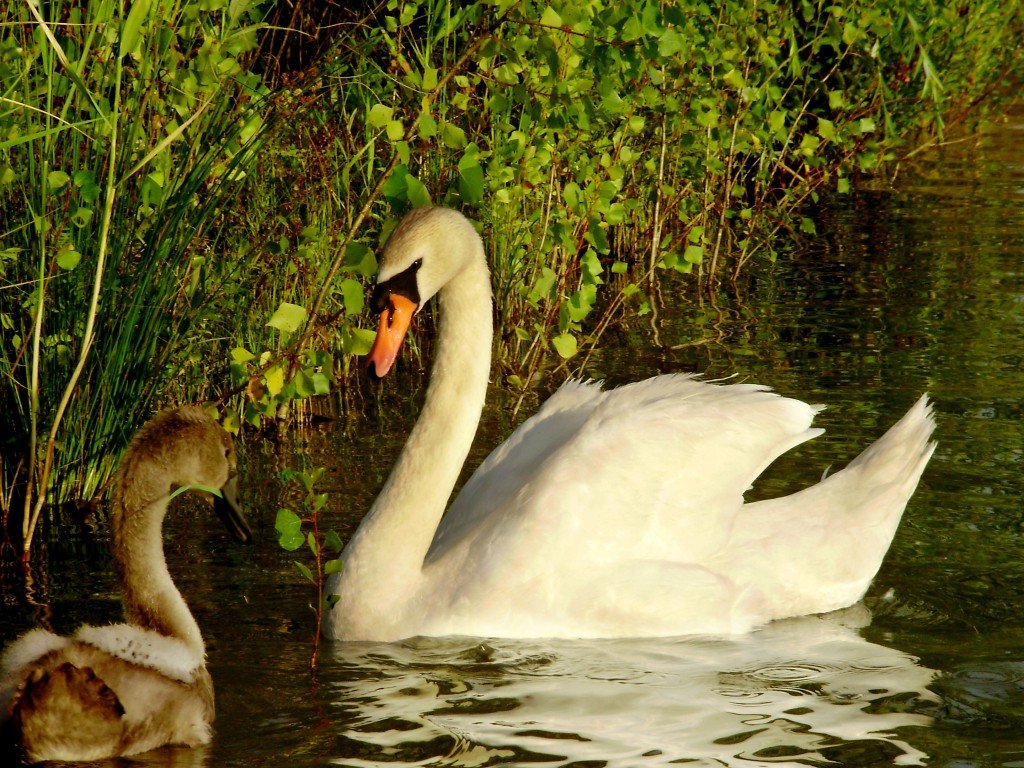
[31, 646]
[652, 460]
[169, 656]
[511, 465]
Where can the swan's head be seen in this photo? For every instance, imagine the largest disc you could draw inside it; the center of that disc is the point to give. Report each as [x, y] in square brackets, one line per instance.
[182, 447]
[428, 249]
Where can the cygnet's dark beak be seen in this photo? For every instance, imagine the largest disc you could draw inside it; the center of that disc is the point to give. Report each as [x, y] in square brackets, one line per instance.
[226, 507]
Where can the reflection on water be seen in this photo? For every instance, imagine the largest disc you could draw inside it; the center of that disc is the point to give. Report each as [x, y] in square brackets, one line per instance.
[806, 690]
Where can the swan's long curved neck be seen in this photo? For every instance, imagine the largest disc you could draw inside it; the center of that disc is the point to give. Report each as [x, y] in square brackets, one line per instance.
[151, 600]
[384, 560]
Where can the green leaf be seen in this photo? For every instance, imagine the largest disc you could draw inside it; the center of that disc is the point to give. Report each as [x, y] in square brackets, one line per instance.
[694, 254]
[826, 128]
[427, 126]
[416, 192]
[866, 125]
[395, 130]
[131, 32]
[429, 78]
[471, 183]
[670, 43]
[332, 541]
[305, 571]
[332, 566]
[56, 179]
[275, 380]
[453, 136]
[565, 345]
[360, 259]
[321, 383]
[68, 257]
[550, 18]
[546, 280]
[581, 302]
[288, 317]
[81, 217]
[358, 341]
[352, 294]
[809, 144]
[734, 78]
[289, 530]
[379, 115]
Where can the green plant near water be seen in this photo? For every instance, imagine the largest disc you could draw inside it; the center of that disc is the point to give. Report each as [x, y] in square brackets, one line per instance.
[125, 130]
[599, 145]
[605, 143]
[297, 530]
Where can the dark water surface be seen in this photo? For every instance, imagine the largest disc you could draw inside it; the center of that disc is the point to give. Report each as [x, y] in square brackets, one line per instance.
[918, 289]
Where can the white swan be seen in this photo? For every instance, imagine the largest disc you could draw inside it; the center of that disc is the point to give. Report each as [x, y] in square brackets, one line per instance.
[608, 513]
[128, 688]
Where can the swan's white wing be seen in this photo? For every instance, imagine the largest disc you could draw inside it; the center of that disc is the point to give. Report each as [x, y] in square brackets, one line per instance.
[516, 461]
[654, 469]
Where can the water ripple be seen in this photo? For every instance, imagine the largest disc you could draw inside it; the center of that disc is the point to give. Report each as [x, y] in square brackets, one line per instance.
[793, 693]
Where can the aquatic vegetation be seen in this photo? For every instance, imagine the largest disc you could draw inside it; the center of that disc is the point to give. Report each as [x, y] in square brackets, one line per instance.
[294, 531]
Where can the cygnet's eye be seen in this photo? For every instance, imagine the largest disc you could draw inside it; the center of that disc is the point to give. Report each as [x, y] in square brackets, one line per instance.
[417, 264]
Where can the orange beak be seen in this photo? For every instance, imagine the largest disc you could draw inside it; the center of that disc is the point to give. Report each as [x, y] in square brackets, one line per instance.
[394, 323]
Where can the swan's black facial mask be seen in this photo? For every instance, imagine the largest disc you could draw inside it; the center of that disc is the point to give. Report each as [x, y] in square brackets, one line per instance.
[402, 284]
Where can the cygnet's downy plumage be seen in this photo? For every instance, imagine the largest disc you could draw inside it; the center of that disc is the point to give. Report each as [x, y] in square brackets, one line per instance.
[108, 691]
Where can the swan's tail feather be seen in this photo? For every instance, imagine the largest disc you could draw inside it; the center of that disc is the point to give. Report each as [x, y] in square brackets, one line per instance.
[860, 506]
[878, 484]
[904, 447]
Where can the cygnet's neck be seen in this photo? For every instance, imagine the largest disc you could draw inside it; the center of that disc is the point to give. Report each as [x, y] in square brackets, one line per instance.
[151, 600]
[384, 560]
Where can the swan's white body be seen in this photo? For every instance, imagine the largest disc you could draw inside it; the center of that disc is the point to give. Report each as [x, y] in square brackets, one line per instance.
[608, 513]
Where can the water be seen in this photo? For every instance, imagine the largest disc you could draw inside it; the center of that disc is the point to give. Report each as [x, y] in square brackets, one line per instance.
[915, 290]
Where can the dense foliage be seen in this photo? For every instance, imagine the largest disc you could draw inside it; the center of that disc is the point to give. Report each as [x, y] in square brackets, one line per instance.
[179, 220]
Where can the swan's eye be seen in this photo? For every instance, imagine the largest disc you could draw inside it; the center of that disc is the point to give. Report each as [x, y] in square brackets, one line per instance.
[417, 264]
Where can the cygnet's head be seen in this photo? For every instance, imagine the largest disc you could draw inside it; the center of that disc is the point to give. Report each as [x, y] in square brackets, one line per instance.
[181, 447]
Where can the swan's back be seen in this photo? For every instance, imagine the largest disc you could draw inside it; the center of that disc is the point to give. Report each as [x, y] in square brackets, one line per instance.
[604, 496]
[666, 447]
[822, 546]
[65, 706]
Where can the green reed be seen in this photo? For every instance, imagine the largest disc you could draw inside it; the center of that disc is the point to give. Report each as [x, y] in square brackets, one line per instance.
[126, 128]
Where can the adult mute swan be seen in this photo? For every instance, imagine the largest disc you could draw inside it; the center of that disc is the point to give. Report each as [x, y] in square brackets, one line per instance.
[609, 513]
[128, 688]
